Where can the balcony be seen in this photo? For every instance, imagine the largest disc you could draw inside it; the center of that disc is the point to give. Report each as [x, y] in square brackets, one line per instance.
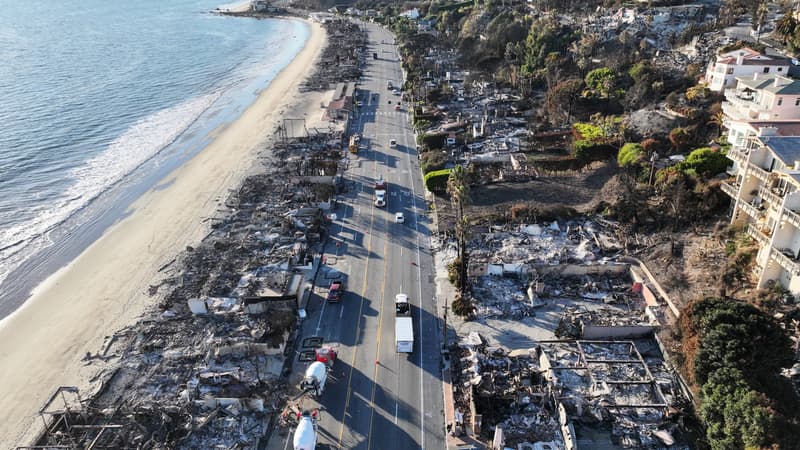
[787, 259]
[758, 172]
[792, 217]
[739, 98]
[772, 199]
[730, 188]
[755, 233]
[750, 210]
[739, 154]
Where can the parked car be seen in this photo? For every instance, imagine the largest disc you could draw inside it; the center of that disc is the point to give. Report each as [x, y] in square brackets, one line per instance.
[399, 217]
[392, 143]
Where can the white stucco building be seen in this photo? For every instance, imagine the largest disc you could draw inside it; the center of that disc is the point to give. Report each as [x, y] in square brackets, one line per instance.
[722, 72]
[765, 192]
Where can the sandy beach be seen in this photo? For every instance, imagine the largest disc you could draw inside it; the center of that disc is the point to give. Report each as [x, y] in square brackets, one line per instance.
[42, 344]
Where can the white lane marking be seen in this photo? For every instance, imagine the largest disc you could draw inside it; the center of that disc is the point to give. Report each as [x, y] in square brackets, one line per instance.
[289, 436]
[419, 285]
[321, 315]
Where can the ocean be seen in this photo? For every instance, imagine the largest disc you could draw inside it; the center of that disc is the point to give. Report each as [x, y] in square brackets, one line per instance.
[99, 101]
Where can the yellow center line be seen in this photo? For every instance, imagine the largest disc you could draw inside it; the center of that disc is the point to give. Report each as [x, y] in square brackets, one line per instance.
[380, 327]
[358, 323]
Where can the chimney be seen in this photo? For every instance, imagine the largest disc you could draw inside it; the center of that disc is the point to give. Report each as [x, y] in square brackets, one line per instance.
[740, 59]
[782, 81]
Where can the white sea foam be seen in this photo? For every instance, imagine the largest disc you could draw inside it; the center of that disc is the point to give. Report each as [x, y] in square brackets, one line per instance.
[139, 143]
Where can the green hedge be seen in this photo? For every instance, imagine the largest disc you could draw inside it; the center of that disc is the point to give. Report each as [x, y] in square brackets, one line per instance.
[436, 181]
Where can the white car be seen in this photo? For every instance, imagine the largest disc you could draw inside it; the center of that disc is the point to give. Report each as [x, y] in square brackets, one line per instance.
[392, 143]
[380, 200]
[399, 217]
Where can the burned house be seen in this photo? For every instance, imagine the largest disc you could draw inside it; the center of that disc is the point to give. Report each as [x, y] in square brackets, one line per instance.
[568, 394]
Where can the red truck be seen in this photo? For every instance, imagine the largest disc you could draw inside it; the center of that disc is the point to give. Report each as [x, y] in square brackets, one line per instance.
[336, 292]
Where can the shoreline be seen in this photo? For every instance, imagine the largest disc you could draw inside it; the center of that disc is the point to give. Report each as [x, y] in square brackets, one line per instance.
[106, 287]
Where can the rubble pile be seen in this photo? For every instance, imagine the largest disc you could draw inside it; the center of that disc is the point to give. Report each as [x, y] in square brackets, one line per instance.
[501, 297]
[506, 391]
[610, 382]
[604, 385]
[546, 244]
[575, 318]
[514, 270]
[204, 370]
[340, 62]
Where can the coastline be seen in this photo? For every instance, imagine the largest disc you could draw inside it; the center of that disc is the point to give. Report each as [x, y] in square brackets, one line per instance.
[106, 287]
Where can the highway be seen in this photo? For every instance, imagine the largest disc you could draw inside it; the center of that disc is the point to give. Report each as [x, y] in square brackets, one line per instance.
[378, 398]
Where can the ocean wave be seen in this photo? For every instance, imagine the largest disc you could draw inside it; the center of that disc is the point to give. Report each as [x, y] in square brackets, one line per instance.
[138, 144]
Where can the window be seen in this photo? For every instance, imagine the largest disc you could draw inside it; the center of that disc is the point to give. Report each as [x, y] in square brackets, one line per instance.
[766, 69]
[730, 71]
[780, 101]
[797, 102]
[780, 69]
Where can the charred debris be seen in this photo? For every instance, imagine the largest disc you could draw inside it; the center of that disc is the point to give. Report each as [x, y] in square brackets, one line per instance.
[204, 370]
[562, 347]
[561, 394]
[342, 62]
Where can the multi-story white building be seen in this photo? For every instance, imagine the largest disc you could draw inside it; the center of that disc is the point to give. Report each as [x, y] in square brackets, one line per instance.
[763, 98]
[722, 72]
[766, 199]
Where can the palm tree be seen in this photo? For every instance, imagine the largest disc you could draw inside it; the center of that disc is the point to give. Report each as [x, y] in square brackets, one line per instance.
[785, 25]
[458, 188]
[718, 119]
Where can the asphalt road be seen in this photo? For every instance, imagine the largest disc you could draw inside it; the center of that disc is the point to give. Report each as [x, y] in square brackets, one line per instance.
[378, 398]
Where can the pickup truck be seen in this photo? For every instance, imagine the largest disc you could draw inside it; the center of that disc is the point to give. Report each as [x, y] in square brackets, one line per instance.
[336, 292]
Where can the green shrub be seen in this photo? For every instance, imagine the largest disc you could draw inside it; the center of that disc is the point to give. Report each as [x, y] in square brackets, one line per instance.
[737, 367]
[589, 132]
[706, 162]
[436, 181]
[421, 124]
[630, 154]
[581, 148]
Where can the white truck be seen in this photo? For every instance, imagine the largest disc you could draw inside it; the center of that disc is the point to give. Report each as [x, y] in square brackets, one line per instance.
[314, 381]
[305, 435]
[403, 325]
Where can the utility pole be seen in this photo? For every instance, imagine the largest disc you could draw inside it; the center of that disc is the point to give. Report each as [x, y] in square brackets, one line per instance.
[652, 168]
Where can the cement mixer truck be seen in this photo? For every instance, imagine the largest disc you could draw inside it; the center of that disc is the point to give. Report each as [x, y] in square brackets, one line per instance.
[305, 435]
[314, 381]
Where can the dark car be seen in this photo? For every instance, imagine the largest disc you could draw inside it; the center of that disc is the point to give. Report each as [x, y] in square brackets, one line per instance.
[336, 292]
